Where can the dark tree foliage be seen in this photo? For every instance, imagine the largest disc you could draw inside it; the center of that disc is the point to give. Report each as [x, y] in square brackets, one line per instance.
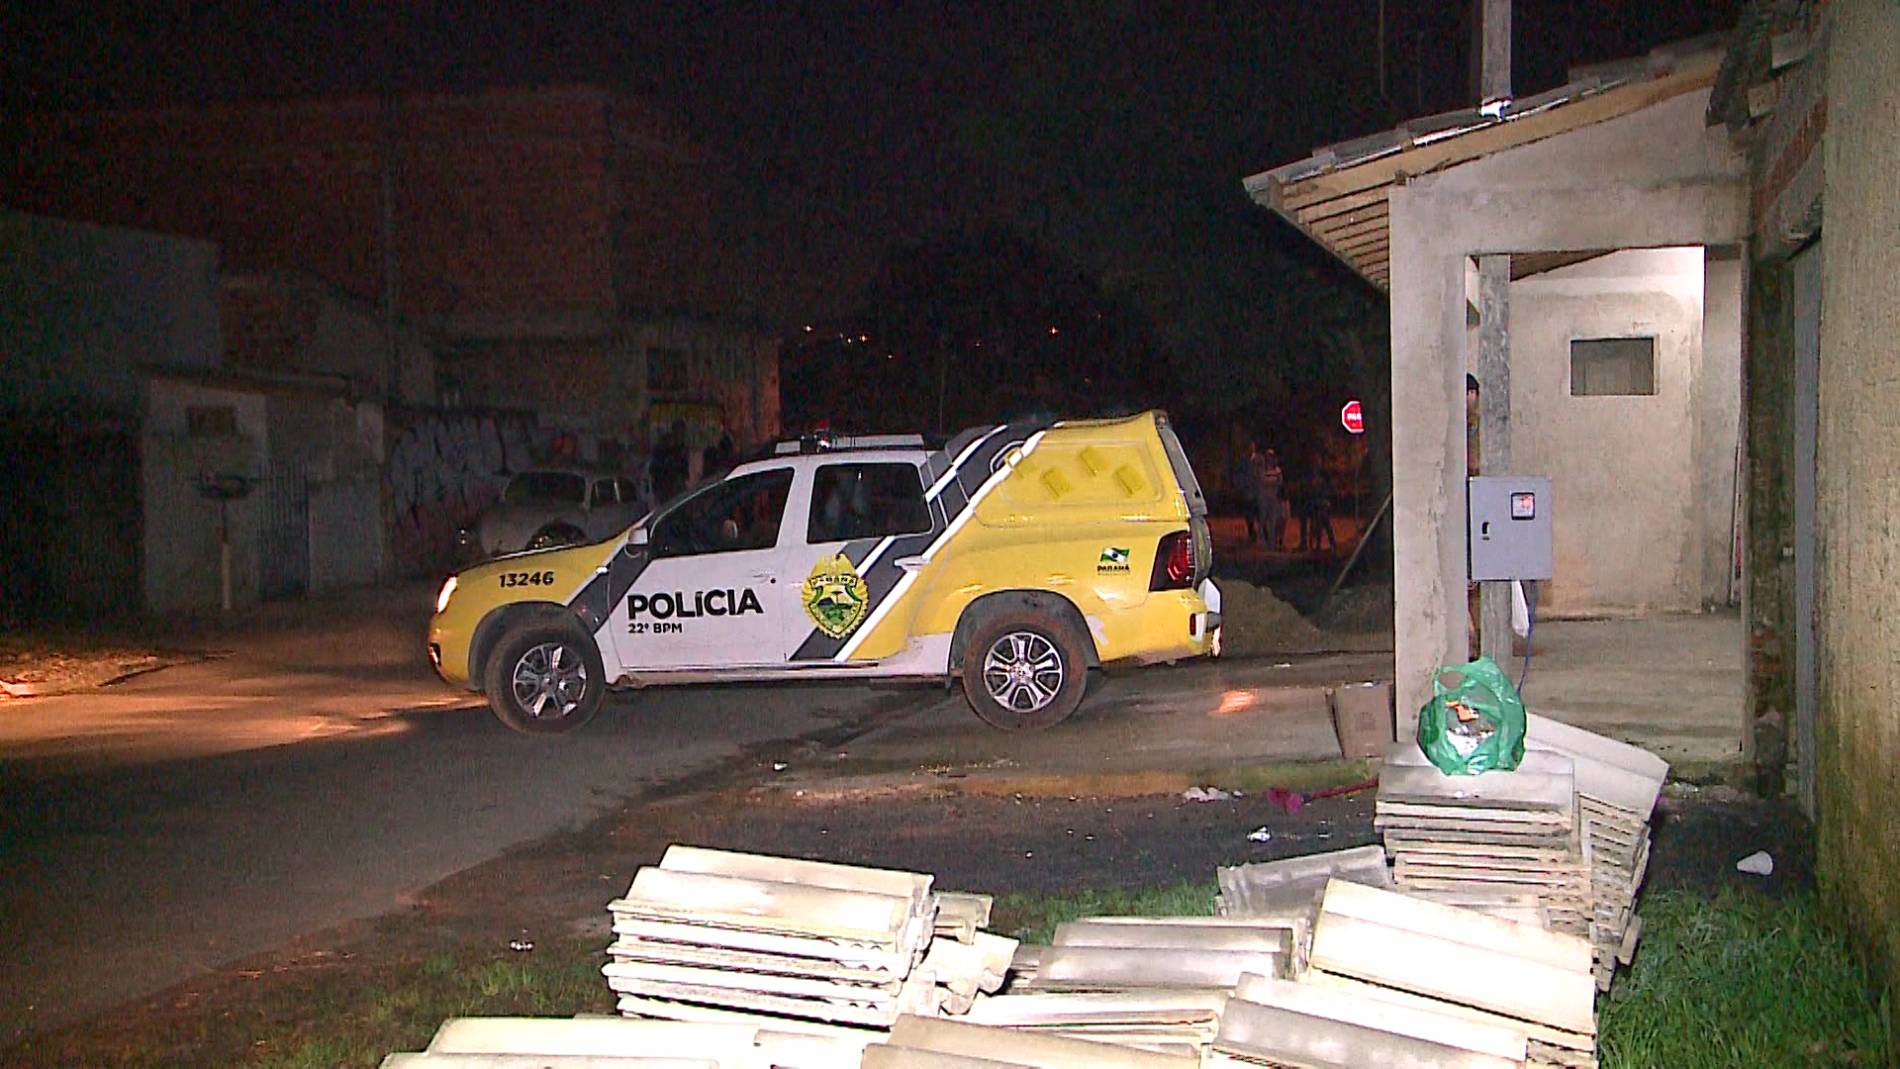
[971, 327]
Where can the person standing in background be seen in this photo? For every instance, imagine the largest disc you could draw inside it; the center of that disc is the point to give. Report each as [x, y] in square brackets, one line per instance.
[670, 462]
[1272, 500]
[1246, 479]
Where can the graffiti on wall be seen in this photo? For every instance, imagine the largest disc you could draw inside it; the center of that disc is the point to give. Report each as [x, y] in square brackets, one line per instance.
[444, 468]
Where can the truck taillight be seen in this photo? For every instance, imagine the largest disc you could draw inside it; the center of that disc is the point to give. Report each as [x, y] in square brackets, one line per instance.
[1174, 563]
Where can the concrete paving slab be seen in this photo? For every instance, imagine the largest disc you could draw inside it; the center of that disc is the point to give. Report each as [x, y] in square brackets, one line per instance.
[1052, 1052]
[592, 1035]
[1670, 684]
[1280, 1036]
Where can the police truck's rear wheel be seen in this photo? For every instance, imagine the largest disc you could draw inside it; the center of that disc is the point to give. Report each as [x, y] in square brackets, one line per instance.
[1023, 671]
[544, 679]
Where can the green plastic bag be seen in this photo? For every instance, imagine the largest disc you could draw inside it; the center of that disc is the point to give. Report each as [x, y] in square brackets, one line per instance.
[1474, 722]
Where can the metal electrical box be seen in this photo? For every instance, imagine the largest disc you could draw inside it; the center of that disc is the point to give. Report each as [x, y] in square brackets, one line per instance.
[1509, 526]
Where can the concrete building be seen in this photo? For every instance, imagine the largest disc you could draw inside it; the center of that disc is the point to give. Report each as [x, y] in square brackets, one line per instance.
[1616, 215]
[537, 236]
[122, 421]
[83, 310]
[1776, 158]
[294, 322]
[1807, 89]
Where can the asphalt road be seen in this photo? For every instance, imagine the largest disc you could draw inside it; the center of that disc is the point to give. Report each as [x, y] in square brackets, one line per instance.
[316, 774]
[203, 814]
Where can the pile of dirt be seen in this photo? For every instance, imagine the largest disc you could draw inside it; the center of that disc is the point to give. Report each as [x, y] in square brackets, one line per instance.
[1255, 623]
[1357, 609]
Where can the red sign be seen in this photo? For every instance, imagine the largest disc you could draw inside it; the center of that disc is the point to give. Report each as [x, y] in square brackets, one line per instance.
[1352, 418]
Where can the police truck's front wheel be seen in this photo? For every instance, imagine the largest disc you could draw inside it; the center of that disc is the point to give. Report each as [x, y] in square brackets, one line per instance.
[544, 679]
[1023, 671]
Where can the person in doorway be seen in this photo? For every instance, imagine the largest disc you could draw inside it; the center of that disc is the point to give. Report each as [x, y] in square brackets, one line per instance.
[1474, 644]
[1272, 500]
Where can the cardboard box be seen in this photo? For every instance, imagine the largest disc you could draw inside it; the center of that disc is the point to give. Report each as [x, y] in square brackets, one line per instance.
[1362, 717]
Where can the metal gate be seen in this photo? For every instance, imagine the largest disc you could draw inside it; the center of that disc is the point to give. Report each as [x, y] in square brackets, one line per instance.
[284, 541]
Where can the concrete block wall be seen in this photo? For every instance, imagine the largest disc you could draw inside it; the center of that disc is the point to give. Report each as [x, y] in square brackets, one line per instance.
[1859, 484]
[444, 468]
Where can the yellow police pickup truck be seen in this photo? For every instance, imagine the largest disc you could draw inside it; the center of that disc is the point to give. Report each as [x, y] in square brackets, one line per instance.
[1016, 558]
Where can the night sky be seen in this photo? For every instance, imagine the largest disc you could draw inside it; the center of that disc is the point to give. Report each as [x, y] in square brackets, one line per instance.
[1112, 131]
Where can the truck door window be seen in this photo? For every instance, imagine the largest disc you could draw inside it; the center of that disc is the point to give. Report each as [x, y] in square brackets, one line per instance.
[726, 517]
[869, 500]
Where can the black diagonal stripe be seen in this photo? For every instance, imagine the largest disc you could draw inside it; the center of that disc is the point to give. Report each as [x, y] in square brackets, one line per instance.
[952, 502]
[820, 646]
[595, 602]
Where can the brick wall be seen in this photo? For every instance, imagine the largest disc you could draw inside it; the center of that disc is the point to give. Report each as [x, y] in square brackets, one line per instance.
[504, 205]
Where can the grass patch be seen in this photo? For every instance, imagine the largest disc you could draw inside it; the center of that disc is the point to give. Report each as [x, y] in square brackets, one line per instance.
[1302, 776]
[358, 1027]
[338, 1015]
[1741, 980]
[1033, 918]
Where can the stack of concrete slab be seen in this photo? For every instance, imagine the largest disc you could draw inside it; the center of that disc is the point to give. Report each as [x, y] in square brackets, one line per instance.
[1515, 832]
[1287, 892]
[924, 1043]
[1263, 888]
[613, 1042]
[1169, 1022]
[714, 936]
[961, 916]
[1397, 980]
[1617, 786]
[1156, 953]
[1151, 983]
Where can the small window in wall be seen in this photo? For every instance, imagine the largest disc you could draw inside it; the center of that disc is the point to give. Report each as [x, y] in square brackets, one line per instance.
[210, 421]
[666, 370]
[1612, 367]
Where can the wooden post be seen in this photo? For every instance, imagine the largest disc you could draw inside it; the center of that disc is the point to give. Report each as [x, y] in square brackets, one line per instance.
[1494, 333]
[1494, 429]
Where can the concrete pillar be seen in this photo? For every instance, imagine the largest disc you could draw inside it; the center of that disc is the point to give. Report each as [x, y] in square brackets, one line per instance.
[1428, 450]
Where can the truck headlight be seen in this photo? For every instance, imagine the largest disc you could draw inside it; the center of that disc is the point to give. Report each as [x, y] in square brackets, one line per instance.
[448, 591]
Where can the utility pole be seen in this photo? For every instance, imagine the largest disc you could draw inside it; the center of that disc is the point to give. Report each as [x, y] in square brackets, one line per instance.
[1385, 99]
[1494, 331]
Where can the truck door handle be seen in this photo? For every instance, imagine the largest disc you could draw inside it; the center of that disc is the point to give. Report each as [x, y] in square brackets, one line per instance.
[764, 577]
[909, 564]
[1484, 530]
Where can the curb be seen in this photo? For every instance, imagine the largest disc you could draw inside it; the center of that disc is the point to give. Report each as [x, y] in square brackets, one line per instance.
[1294, 775]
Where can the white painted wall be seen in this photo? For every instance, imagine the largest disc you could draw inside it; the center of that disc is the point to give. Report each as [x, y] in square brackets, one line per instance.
[1626, 475]
[181, 524]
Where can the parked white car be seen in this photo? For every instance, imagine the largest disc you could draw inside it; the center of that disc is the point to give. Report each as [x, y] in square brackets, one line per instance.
[542, 508]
